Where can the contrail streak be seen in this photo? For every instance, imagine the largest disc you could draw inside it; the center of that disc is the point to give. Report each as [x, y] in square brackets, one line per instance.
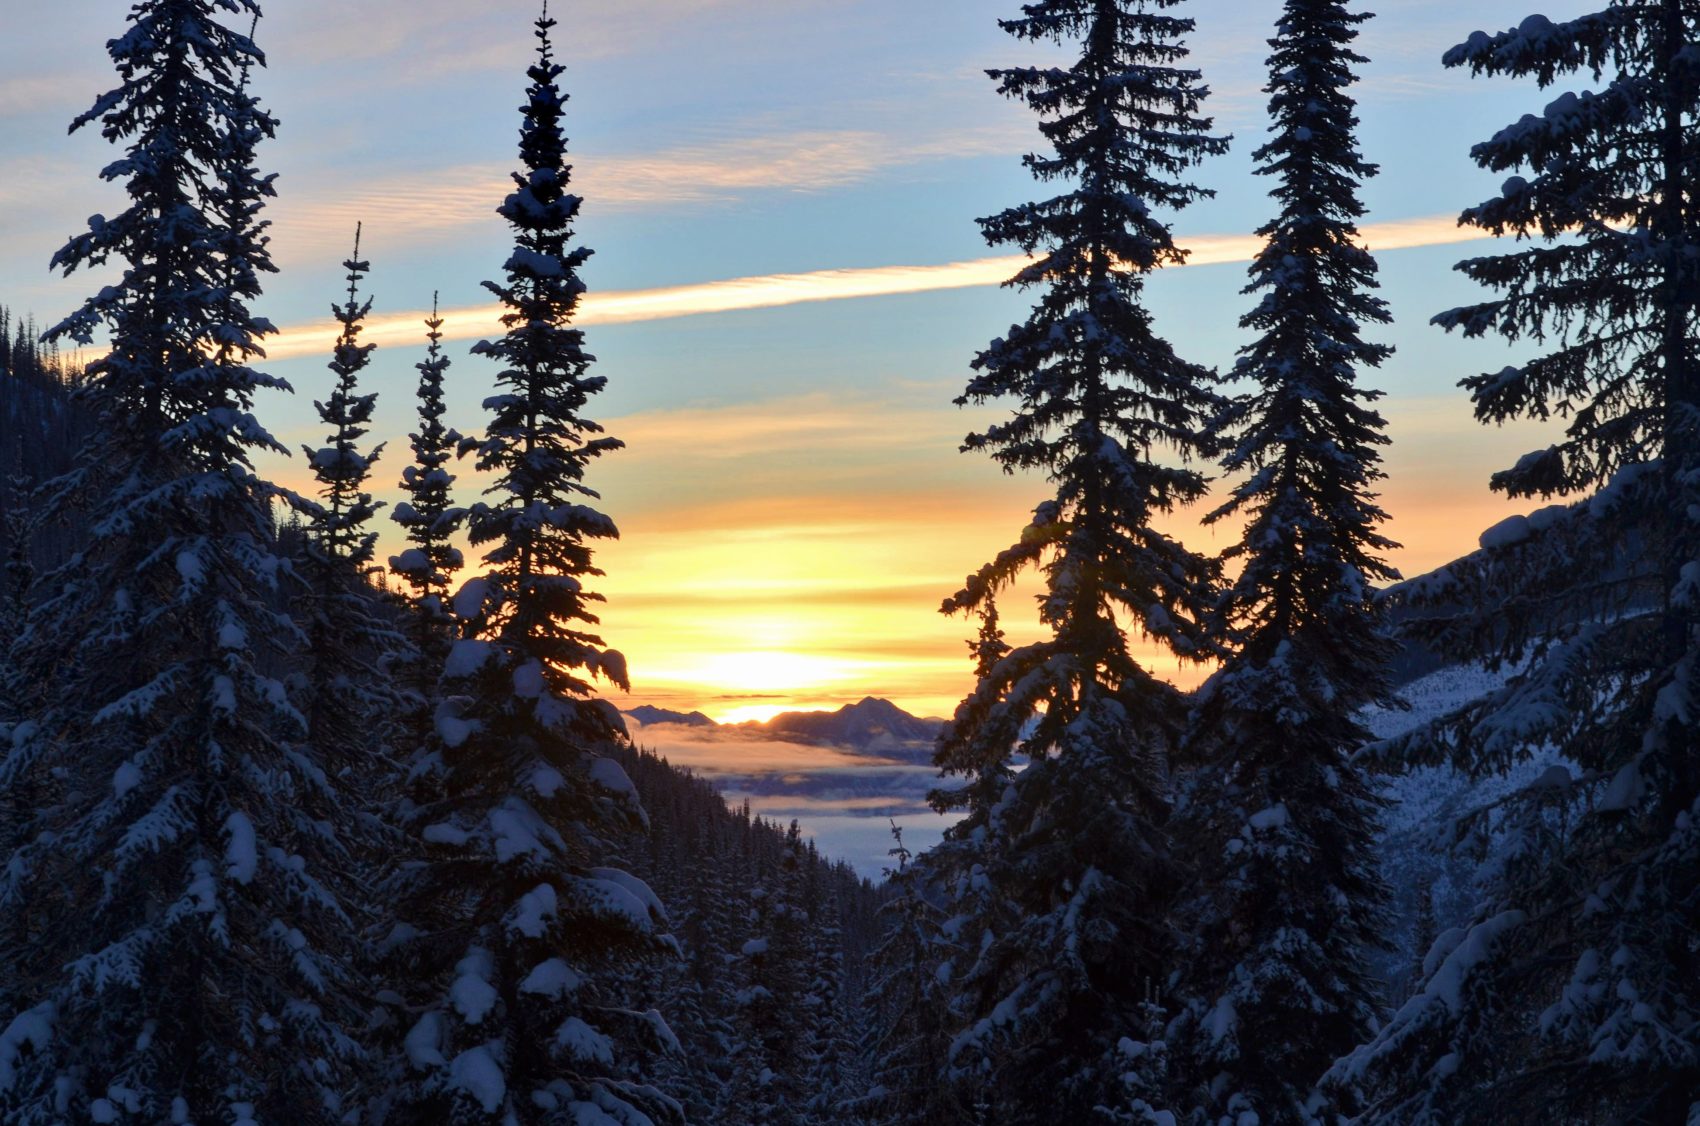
[771, 291]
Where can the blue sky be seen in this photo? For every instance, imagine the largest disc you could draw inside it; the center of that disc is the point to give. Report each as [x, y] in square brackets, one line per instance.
[791, 498]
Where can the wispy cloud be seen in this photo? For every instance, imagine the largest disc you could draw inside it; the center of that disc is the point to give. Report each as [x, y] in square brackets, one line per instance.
[768, 291]
[27, 93]
[741, 750]
[814, 422]
[437, 37]
[442, 201]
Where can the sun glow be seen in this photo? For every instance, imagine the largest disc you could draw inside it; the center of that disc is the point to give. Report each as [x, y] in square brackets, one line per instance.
[774, 670]
[751, 713]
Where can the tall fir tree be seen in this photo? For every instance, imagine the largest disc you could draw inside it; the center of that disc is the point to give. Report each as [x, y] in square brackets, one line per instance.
[17, 580]
[1075, 851]
[18, 695]
[1571, 995]
[518, 929]
[430, 518]
[186, 952]
[912, 1032]
[339, 532]
[350, 701]
[1286, 902]
[831, 1078]
[773, 1049]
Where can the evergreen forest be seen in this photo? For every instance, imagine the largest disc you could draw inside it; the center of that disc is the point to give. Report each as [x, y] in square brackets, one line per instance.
[316, 810]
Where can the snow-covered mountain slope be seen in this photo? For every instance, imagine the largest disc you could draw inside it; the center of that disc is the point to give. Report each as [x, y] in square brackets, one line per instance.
[1435, 882]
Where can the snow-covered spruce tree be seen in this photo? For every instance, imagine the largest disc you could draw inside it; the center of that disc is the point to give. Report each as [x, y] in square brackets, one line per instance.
[976, 747]
[516, 928]
[17, 695]
[339, 533]
[186, 944]
[17, 573]
[1075, 853]
[905, 1000]
[774, 1045]
[431, 520]
[1280, 824]
[831, 1079]
[350, 704]
[1571, 996]
[17, 581]
[698, 988]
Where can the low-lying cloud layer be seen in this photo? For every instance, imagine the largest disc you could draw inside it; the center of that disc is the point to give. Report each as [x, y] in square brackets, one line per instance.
[846, 800]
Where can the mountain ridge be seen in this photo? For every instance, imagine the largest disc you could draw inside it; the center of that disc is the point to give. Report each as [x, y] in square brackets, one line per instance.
[872, 725]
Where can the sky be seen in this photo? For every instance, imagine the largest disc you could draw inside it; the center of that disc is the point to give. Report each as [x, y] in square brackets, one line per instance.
[787, 289]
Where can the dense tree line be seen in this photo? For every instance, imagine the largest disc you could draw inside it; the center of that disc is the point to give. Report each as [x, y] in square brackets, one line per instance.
[284, 844]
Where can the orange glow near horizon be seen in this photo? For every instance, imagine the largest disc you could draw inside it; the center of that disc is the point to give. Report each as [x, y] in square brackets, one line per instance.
[814, 596]
[792, 554]
[757, 713]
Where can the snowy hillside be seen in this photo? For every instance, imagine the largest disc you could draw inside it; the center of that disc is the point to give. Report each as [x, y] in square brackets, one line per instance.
[1434, 882]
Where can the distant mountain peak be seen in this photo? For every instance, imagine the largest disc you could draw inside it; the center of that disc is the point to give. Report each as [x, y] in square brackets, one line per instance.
[873, 704]
[648, 715]
[871, 724]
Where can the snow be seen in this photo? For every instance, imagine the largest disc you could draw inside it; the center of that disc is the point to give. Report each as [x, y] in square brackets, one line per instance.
[635, 886]
[612, 664]
[240, 855]
[546, 781]
[476, 1072]
[444, 833]
[469, 601]
[1536, 26]
[1222, 1018]
[467, 656]
[532, 913]
[755, 946]
[1626, 789]
[472, 995]
[451, 728]
[1447, 982]
[126, 778]
[662, 1031]
[33, 1028]
[528, 680]
[411, 560]
[1509, 531]
[519, 831]
[553, 978]
[610, 775]
[584, 1042]
[1275, 817]
[541, 265]
[589, 1114]
[615, 897]
[424, 1042]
